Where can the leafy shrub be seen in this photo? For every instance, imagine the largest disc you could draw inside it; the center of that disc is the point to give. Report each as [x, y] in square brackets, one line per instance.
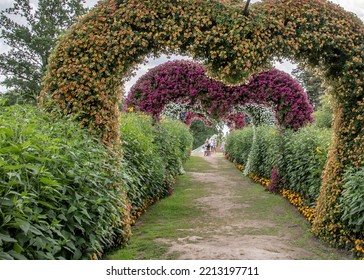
[352, 200]
[305, 154]
[264, 152]
[143, 174]
[174, 145]
[238, 144]
[299, 156]
[60, 191]
[153, 156]
[323, 119]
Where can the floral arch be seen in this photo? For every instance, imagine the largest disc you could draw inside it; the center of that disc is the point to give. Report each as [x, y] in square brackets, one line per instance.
[183, 81]
[84, 71]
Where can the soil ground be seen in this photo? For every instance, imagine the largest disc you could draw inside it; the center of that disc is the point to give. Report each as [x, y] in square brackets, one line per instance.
[217, 213]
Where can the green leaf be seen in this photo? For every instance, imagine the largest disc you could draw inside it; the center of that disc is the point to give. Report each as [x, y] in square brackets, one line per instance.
[7, 238]
[49, 182]
[71, 209]
[24, 225]
[46, 204]
[6, 202]
[35, 230]
[12, 167]
[5, 256]
[17, 256]
[17, 248]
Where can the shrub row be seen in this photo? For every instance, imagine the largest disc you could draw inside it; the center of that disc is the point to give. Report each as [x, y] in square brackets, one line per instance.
[299, 158]
[65, 196]
[153, 156]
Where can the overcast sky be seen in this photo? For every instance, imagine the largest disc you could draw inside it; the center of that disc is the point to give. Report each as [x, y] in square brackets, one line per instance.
[355, 6]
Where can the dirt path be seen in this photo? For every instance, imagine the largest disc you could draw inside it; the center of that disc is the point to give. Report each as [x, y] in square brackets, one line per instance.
[242, 221]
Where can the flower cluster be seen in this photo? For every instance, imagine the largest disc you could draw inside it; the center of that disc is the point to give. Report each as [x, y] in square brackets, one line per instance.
[263, 181]
[296, 200]
[136, 213]
[185, 82]
[240, 167]
[359, 248]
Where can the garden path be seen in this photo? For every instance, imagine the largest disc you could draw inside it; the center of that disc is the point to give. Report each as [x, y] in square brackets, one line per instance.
[221, 214]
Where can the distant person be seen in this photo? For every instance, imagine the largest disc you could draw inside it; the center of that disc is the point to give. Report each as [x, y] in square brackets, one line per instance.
[222, 146]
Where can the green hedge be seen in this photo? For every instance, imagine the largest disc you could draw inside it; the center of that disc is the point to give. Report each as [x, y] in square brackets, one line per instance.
[263, 155]
[153, 157]
[65, 196]
[238, 145]
[305, 155]
[352, 200]
[299, 156]
[60, 191]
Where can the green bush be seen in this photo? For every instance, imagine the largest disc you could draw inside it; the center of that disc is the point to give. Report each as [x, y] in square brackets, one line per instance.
[323, 119]
[60, 191]
[305, 154]
[264, 152]
[153, 156]
[352, 200]
[299, 156]
[143, 173]
[323, 116]
[238, 144]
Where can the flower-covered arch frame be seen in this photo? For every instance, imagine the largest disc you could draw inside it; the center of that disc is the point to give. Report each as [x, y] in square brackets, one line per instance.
[183, 81]
[84, 71]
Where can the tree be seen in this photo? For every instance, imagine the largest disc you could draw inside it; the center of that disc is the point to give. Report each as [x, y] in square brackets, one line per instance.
[31, 35]
[200, 132]
[312, 83]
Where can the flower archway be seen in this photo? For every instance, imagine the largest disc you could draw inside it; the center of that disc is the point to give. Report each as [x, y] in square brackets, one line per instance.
[183, 81]
[84, 71]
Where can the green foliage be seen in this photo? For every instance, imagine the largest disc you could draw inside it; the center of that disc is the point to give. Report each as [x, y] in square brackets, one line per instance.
[200, 132]
[238, 144]
[143, 170]
[352, 199]
[31, 38]
[60, 191]
[153, 156]
[264, 152]
[312, 83]
[305, 155]
[323, 119]
[299, 156]
[323, 116]
[174, 142]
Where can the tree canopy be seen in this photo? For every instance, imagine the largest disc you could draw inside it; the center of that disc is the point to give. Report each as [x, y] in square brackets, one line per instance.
[31, 35]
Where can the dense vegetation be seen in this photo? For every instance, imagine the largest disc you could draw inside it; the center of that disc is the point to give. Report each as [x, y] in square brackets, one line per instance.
[292, 163]
[63, 195]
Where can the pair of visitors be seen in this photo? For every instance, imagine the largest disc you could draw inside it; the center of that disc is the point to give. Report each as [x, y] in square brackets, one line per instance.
[207, 148]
